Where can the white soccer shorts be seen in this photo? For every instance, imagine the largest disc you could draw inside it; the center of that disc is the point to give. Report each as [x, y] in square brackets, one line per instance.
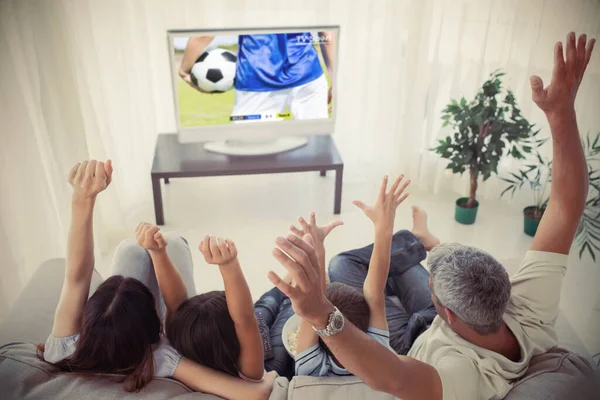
[308, 101]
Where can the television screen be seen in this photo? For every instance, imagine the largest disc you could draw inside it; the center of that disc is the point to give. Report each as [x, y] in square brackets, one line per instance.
[252, 77]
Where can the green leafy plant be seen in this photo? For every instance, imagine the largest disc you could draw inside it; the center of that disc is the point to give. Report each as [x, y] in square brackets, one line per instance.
[588, 232]
[538, 175]
[485, 128]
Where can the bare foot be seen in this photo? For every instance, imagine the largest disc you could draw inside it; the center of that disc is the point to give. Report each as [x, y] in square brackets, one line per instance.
[421, 230]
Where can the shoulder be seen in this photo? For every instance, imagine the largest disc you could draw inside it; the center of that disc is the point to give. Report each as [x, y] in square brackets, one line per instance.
[166, 358]
[58, 348]
[459, 376]
[535, 288]
[541, 263]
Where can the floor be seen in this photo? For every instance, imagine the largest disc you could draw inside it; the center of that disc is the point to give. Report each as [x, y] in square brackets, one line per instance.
[254, 210]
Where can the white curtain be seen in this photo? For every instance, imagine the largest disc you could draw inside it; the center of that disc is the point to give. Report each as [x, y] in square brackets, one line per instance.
[83, 79]
[467, 41]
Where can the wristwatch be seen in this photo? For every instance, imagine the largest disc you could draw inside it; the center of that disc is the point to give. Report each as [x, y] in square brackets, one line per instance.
[335, 324]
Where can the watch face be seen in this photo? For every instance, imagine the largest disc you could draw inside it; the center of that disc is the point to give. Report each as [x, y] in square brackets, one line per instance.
[335, 324]
[338, 322]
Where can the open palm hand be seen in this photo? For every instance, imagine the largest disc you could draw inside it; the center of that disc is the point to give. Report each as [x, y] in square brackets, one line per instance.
[559, 95]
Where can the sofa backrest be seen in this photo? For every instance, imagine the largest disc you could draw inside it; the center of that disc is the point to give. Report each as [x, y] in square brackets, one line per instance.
[24, 376]
[556, 375]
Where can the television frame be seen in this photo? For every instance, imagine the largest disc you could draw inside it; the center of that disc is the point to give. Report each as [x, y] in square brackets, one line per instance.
[258, 131]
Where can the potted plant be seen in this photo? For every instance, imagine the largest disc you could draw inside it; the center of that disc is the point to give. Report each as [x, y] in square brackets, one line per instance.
[537, 175]
[485, 129]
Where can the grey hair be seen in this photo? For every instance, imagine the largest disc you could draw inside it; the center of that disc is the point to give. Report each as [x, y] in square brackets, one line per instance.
[471, 283]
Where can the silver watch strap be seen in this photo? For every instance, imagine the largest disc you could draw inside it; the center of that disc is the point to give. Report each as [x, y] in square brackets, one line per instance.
[329, 329]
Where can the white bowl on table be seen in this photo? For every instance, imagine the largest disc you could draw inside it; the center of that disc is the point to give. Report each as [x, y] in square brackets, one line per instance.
[290, 326]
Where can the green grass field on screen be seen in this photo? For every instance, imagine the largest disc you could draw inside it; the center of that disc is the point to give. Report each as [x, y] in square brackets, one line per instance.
[198, 109]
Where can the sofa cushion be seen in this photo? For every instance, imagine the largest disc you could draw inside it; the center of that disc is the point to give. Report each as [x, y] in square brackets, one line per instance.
[25, 376]
[555, 375]
[338, 388]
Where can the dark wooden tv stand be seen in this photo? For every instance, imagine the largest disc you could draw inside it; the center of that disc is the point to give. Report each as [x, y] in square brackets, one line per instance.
[177, 160]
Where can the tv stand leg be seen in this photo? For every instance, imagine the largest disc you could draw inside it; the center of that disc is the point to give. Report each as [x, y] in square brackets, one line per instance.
[323, 173]
[337, 203]
[158, 203]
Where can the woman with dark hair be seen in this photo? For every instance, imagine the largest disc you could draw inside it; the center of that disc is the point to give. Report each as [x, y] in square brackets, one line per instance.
[118, 329]
[222, 329]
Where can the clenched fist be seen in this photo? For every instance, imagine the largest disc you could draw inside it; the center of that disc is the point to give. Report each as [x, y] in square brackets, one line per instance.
[218, 251]
[89, 178]
[149, 237]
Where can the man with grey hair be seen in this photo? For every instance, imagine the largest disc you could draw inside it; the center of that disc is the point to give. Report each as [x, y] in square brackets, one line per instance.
[472, 284]
[488, 327]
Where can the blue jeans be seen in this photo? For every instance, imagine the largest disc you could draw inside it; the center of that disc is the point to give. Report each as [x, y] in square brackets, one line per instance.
[407, 280]
[276, 308]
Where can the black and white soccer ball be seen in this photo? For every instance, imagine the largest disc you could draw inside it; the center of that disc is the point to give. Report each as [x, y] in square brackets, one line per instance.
[214, 71]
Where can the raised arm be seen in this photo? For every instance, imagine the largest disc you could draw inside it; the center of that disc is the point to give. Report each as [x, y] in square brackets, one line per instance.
[194, 49]
[382, 213]
[208, 380]
[223, 253]
[569, 170]
[378, 367]
[87, 179]
[169, 279]
[315, 236]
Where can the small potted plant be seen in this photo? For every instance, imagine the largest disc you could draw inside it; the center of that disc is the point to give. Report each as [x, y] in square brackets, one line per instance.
[537, 175]
[485, 129]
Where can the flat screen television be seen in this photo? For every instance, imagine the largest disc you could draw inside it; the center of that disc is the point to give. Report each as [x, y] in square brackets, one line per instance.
[254, 91]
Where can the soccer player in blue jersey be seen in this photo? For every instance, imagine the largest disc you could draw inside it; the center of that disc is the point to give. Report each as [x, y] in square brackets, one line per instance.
[275, 72]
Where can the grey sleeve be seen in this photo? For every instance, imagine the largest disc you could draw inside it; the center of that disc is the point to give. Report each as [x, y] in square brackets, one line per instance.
[166, 359]
[58, 348]
[312, 362]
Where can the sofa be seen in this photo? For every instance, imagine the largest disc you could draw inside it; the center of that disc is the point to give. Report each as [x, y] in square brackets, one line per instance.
[558, 374]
